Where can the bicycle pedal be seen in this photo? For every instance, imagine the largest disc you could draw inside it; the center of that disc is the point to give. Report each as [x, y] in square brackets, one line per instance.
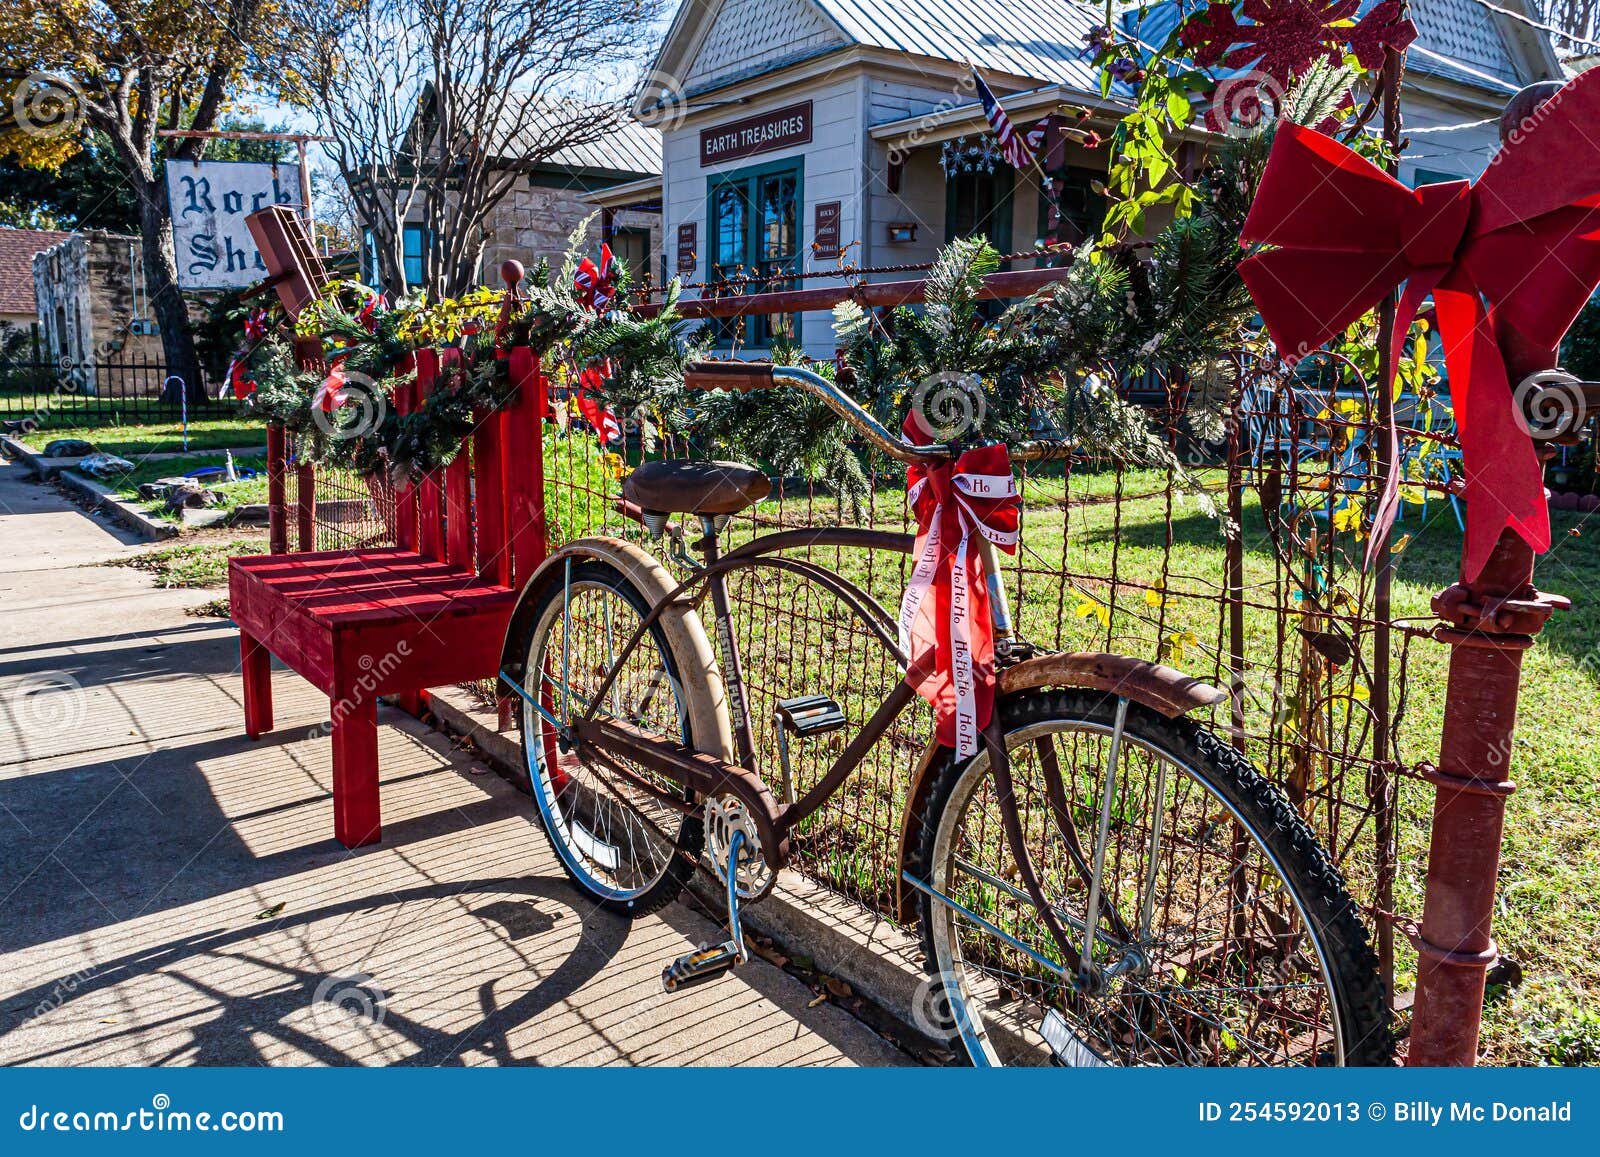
[809, 715]
[701, 965]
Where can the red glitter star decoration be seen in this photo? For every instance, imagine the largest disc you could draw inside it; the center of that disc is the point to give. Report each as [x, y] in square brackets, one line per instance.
[1285, 37]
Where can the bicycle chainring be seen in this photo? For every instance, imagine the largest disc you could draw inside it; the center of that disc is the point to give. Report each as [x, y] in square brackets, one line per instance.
[726, 815]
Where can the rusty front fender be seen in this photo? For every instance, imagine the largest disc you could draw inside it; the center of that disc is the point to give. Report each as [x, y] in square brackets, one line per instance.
[1162, 689]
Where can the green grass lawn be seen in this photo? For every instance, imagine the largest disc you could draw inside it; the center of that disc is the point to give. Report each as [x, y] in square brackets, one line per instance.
[240, 493]
[135, 438]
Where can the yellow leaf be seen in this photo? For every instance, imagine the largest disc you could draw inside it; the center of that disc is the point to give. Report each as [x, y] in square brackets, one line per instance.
[1155, 597]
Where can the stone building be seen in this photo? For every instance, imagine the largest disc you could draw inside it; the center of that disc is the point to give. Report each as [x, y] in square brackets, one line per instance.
[553, 195]
[94, 314]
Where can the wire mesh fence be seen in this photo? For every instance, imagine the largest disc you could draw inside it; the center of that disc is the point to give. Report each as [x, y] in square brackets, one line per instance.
[1244, 569]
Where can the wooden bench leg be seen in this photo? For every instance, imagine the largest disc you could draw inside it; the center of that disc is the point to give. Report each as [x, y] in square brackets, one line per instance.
[355, 771]
[256, 663]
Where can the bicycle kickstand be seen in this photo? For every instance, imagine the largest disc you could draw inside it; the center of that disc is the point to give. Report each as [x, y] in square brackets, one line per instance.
[712, 961]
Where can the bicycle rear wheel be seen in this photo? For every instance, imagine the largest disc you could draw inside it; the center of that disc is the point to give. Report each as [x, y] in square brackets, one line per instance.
[628, 848]
[1224, 933]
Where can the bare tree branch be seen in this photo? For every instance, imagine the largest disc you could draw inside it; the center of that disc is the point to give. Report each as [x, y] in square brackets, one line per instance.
[438, 107]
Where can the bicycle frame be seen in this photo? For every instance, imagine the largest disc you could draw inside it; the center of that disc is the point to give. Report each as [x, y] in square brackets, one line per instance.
[762, 552]
[758, 553]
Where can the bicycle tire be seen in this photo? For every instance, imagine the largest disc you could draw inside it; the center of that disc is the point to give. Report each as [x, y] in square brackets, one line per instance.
[574, 846]
[1360, 1032]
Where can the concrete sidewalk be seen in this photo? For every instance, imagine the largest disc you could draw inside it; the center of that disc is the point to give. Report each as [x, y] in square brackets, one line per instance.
[171, 892]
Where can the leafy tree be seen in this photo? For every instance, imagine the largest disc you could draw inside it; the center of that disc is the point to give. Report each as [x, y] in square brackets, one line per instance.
[123, 69]
[90, 190]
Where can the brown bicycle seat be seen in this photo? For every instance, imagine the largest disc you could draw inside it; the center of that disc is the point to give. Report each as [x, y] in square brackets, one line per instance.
[678, 487]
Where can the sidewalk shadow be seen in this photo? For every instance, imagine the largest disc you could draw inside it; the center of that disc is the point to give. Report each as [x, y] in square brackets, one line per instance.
[230, 1035]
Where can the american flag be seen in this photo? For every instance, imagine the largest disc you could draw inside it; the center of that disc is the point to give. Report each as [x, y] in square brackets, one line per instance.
[1012, 146]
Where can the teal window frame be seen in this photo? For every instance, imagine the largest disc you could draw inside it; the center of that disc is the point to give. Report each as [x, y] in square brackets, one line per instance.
[413, 272]
[756, 332]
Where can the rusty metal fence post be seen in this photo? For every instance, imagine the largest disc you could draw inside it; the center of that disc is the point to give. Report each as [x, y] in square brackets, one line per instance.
[1488, 623]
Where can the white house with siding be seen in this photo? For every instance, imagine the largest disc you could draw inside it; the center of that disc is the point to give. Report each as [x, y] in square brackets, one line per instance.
[799, 135]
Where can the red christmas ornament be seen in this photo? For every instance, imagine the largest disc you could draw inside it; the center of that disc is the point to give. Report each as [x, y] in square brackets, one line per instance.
[1285, 37]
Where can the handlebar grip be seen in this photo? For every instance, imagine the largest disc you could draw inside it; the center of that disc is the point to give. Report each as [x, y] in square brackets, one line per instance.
[740, 376]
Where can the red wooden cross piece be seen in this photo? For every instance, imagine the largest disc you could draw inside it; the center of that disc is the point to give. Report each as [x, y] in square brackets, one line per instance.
[428, 611]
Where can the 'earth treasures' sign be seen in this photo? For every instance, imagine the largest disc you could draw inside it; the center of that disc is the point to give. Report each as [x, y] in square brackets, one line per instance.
[758, 134]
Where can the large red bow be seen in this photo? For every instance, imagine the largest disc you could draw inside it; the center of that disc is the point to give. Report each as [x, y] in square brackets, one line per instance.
[949, 639]
[1515, 254]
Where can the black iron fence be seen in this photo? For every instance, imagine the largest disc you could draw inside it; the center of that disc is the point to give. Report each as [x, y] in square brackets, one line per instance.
[129, 389]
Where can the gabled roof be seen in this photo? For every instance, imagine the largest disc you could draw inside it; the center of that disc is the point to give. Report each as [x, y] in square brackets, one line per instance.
[17, 250]
[1041, 40]
[627, 148]
[604, 140]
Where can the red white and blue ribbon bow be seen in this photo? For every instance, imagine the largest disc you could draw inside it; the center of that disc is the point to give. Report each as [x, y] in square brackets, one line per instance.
[607, 426]
[585, 281]
[238, 375]
[605, 289]
[945, 628]
[1509, 259]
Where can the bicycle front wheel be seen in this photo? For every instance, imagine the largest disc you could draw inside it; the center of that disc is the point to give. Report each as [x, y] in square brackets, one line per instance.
[1222, 932]
[622, 843]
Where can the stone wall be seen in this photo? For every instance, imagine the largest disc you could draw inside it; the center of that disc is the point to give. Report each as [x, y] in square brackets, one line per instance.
[93, 308]
[533, 221]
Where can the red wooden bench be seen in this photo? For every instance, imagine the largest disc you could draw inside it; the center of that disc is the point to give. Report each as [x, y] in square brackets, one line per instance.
[430, 611]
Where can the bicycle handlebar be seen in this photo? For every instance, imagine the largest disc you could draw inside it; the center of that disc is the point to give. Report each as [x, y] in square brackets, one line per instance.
[747, 376]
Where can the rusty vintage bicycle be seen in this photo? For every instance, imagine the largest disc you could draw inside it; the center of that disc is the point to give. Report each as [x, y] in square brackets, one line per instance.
[1104, 881]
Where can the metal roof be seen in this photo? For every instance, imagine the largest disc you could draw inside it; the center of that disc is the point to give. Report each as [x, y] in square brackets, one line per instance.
[626, 148]
[1042, 39]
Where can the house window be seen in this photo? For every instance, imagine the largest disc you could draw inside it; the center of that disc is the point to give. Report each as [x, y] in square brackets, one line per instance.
[631, 246]
[412, 241]
[979, 205]
[755, 232]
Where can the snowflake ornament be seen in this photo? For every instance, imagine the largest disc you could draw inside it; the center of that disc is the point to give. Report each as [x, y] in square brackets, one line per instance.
[1285, 37]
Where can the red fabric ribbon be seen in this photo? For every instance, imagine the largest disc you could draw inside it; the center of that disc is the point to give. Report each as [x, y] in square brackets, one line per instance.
[605, 280]
[585, 281]
[1515, 254]
[949, 637]
[331, 393]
